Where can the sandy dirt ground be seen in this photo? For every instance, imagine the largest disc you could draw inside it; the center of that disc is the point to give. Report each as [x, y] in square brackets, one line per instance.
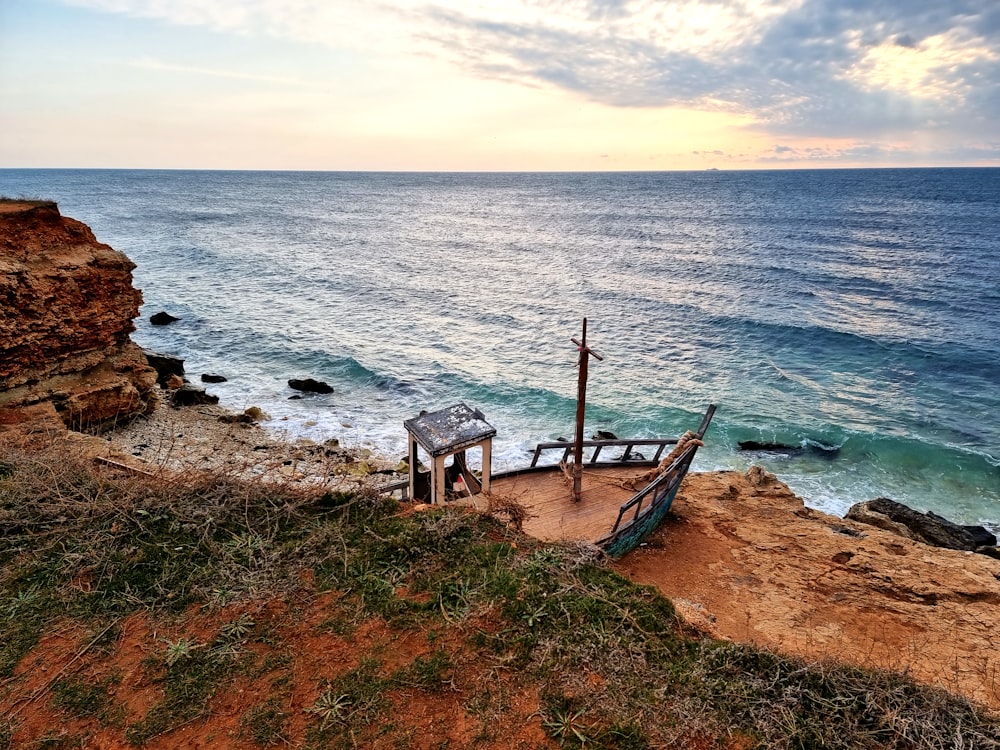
[744, 559]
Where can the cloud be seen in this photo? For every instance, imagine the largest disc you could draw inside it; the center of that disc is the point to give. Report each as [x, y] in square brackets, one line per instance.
[835, 68]
[867, 152]
[816, 67]
[149, 63]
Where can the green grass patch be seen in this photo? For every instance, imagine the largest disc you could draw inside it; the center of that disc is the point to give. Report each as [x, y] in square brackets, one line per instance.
[26, 609]
[348, 706]
[86, 699]
[432, 673]
[189, 673]
[264, 724]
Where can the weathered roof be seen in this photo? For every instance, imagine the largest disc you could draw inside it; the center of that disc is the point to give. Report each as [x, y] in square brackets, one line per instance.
[449, 430]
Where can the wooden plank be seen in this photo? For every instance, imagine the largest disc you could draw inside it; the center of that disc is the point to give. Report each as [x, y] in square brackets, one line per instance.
[555, 516]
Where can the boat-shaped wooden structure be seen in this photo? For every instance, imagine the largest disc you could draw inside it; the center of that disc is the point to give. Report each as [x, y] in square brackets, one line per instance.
[623, 497]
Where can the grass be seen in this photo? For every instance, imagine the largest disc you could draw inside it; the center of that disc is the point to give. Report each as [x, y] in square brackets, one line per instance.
[88, 699]
[189, 673]
[500, 613]
[264, 724]
[29, 200]
[348, 706]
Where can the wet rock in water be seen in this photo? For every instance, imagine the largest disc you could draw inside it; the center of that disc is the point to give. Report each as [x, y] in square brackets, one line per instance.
[257, 414]
[603, 435]
[162, 319]
[928, 528]
[310, 385]
[753, 445]
[192, 395]
[208, 377]
[813, 449]
[165, 365]
[295, 397]
[982, 536]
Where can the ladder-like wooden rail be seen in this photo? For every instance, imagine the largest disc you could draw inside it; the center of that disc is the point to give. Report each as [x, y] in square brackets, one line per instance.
[646, 508]
[598, 445]
[657, 490]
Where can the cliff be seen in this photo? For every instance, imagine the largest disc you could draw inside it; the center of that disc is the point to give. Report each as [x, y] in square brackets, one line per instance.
[66, 310]
[744, 559]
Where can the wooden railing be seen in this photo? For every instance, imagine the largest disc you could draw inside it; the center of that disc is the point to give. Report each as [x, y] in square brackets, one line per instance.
[657, 491]
[662, 489]
[599, 445]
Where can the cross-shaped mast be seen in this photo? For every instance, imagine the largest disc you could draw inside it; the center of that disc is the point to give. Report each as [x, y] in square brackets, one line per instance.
[581, 409]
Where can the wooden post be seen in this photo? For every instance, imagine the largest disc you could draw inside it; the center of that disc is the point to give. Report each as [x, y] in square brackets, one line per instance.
[437, 480]
[413, 468]
[487, 465]
[581, 410]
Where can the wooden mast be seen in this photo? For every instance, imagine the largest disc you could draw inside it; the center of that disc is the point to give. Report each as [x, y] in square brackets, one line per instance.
[581, 410]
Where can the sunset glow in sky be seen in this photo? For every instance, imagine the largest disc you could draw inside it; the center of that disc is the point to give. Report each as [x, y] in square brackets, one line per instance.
[514, 85]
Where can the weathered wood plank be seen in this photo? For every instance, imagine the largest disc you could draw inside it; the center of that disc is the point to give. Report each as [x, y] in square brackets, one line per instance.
[555, 516]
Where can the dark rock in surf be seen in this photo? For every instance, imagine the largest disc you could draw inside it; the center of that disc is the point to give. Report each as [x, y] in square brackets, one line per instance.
[982, 536]
[753, 445]
[928, 528]
[820, 451]
[603, 435]
[192, 395]
[165, 365]
[207, 377]
[162, 319]
[310, 385]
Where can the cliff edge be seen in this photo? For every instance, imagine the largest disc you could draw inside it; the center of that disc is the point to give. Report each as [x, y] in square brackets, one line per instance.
[66, 310]
[744, 559]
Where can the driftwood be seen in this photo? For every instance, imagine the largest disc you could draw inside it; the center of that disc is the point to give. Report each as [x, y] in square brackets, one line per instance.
[504, 507]
[567, 473]
[688, 438]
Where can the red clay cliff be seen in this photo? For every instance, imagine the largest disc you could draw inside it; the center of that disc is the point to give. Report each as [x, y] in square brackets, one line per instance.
[66, 310]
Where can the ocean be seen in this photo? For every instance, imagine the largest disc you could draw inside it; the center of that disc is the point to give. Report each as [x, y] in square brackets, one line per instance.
[853, 315]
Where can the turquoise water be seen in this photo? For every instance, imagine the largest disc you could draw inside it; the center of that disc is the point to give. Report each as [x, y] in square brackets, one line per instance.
[852, 313]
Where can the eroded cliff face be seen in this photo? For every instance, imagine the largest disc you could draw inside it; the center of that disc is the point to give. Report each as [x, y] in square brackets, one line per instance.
[742, 558]
[66, 310]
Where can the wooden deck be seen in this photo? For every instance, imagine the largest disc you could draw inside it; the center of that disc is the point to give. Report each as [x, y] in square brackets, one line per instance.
[555, 517]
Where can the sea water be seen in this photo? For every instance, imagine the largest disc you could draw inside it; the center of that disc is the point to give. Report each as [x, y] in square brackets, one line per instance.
[853, 315]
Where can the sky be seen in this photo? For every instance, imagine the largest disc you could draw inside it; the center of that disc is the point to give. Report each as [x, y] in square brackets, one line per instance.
[510, 85]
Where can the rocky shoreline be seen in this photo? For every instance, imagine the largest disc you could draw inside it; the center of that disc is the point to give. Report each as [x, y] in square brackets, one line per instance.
[213, 439]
